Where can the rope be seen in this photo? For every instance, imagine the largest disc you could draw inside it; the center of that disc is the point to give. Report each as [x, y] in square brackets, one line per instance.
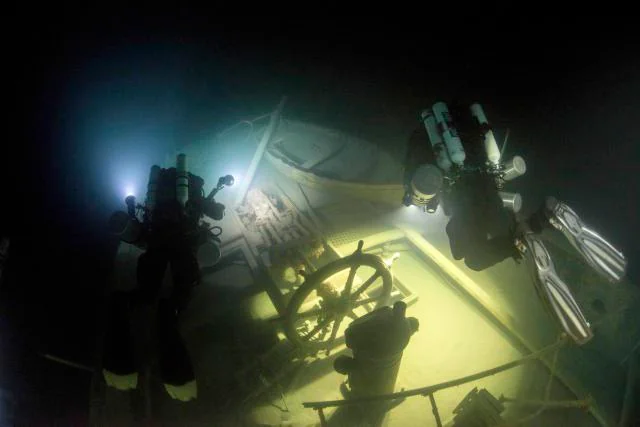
[547, 393]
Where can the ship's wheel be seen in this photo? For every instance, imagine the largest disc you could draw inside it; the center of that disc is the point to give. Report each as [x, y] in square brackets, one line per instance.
[332, 297]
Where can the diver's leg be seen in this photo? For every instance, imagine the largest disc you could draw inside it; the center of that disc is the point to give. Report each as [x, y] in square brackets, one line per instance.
[119, 366]
[478, 252]
[177, 371]
[186, 275]
[119, 362]
[175, 364]
[457, 239]
[488, 253]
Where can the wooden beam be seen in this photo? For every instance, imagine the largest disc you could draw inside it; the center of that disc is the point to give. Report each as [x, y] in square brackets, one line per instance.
[262, 147]
[499, 316]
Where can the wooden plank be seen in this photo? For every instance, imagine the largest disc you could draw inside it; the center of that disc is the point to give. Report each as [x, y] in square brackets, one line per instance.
[322, 155]
[379, 193]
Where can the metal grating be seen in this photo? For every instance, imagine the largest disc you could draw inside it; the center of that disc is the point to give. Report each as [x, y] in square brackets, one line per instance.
[269, 213]
[353, 234]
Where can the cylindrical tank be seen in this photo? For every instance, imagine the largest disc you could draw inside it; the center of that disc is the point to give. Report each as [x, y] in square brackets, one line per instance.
[449, 133]
[209, 252]
[152, 187]
[425, 184]
[511, 201]
[377, 341]
[490, 145]
[182, 179]
[442, 156]
[514, 168]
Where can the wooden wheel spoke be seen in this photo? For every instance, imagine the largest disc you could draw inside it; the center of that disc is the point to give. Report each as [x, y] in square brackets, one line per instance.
[363, 302]
[336, 327]
[334, 332]
[318, 328]
[349, 284]
[311, 313]
[365, 285]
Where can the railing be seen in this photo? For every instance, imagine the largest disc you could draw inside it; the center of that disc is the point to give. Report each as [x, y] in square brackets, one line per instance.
[429, 391]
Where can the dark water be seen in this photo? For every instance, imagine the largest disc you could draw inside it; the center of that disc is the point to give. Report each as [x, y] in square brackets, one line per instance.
[97, 105]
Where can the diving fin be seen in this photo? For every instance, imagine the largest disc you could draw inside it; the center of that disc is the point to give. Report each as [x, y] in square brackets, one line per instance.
[597, 252]
[553, 291]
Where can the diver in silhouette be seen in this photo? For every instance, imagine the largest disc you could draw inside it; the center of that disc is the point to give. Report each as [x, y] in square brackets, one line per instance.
[170, 231]
[453, 161]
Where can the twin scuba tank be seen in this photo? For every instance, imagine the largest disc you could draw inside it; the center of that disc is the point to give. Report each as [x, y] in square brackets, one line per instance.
[428, 180]
[174, 201]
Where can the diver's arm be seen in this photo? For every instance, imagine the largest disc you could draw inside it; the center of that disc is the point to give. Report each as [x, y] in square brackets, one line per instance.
[211, 208]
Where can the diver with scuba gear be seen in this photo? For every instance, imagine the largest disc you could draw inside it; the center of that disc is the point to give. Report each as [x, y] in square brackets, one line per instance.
[169, 227]
[457, 165]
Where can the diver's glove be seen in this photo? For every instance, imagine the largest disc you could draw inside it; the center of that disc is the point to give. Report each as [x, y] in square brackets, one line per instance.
[552, 290]
[597, 252]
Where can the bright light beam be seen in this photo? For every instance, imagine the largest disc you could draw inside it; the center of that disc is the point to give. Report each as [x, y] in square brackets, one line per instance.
[237, 179]
[129, 191]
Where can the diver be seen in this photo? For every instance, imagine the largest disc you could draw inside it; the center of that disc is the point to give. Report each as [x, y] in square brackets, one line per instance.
[169, 227]
[453, 161]
[479, 228]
